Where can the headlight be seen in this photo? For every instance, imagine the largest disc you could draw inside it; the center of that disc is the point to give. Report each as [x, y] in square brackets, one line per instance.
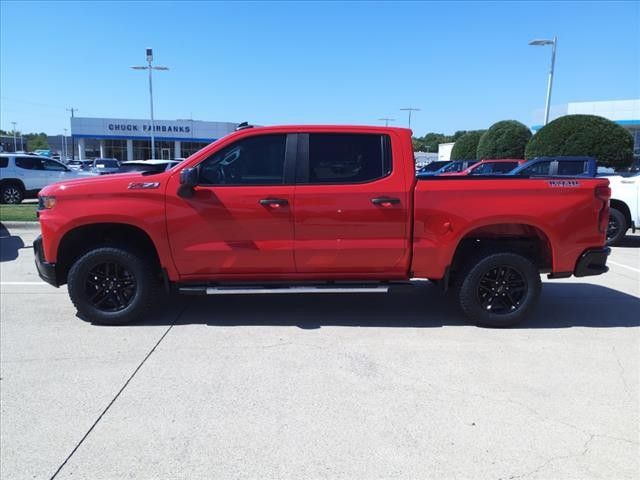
[46, 202]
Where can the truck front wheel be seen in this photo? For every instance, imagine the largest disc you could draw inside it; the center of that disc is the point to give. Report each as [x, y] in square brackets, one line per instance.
[499, 289]
[111, 286]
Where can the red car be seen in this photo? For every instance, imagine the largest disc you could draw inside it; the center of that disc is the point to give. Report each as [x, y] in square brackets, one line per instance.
[315, 209]
[489, 167]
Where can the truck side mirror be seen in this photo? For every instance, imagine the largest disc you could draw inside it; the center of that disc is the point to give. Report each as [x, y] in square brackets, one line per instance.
[188, 180]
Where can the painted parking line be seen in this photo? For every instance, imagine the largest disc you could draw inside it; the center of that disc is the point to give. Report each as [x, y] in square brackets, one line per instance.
[623, 266]
[23, 283]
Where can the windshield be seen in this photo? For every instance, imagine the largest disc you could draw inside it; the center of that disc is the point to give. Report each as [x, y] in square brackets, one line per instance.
[495, 167]
[452, 167]
[433, 166]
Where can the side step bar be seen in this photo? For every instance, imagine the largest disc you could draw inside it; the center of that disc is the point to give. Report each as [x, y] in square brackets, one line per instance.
[202, 290]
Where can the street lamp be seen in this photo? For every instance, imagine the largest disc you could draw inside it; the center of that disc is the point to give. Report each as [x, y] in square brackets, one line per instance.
[64, 144]
[150, 67]
[554, 44]
[15, 145]
[410, 109]
[386, 120]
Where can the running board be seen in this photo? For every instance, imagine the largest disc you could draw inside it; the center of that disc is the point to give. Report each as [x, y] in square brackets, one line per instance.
[288, 290]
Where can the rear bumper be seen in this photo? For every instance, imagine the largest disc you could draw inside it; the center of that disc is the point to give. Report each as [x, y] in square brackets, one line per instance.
[592, 262]
[47, 271]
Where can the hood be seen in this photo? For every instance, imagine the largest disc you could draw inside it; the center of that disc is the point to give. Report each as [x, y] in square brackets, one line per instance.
[100, 184]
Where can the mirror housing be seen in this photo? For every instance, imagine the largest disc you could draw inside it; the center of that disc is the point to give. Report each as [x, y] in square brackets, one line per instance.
[188, 180]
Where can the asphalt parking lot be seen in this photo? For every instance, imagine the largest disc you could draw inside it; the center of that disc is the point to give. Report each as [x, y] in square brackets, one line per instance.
[351, 386]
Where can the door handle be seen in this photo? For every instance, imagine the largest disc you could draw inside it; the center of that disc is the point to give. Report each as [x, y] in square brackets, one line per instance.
[274, 202]
[385, 201]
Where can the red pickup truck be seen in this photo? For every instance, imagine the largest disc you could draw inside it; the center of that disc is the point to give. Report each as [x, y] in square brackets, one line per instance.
[320, 209]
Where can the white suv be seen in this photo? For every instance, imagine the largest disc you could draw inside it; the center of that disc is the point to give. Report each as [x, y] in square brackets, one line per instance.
[23, 176]
[625, 207]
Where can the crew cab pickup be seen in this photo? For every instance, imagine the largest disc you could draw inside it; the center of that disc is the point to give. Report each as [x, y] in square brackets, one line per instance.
[316, 209]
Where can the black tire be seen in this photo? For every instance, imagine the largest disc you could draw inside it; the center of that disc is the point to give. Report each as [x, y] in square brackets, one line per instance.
[112, 286]
[499, 289]
[11, 193]
[617, 227]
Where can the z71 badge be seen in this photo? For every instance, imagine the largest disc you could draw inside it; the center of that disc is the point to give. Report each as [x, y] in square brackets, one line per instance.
[564, 183]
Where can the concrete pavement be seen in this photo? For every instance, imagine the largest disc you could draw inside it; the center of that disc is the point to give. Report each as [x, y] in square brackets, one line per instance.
[351, 386]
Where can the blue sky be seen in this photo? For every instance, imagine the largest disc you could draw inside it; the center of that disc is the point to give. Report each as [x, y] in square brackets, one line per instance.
[465, 64]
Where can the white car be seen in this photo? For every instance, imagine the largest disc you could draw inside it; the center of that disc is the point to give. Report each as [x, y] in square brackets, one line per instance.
[624, 207]
[23, 176]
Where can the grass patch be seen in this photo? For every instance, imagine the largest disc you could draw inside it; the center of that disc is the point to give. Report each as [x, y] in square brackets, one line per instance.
[19, 213]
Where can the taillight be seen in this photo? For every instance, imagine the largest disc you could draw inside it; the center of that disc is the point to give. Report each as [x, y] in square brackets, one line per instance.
[603, 193]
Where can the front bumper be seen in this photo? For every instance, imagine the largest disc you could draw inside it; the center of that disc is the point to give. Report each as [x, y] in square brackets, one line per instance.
[47, 271]
[592, 262]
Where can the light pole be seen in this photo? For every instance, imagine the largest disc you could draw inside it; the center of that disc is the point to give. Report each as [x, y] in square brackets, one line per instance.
[150, 67]
[410, 109]
[73, 142]
[387, 120]
[554, 44]
[15, 145]
[64, 144]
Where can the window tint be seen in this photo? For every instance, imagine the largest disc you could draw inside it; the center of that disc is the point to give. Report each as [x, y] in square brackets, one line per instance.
[52, 165]
[572, 167]
[253, 161]
[4, 162]
[454, 167]
[540, 168]
[348, 158]
[497, 167]
[29, 163]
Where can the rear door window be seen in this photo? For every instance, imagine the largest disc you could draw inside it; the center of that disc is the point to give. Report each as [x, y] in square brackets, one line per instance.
[338, 158]
[4, 162]
[52, 165]
[571, 167]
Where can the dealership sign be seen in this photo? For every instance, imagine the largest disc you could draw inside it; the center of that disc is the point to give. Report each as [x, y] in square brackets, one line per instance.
[195, 130]
[136, 127]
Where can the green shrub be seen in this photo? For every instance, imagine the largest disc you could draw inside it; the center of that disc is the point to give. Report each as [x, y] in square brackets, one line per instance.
[505, 139]
[584, 135]
[466, 146]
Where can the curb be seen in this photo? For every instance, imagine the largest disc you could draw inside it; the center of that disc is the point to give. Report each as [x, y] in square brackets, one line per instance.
[20, 225]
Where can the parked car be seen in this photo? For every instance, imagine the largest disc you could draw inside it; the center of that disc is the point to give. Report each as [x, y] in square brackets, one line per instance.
[624, 212]
[104, 166]
[80, 164]
[453, 166]
[557, 167]
[432, 167]
[22, 176]
[315, 209]
[489, 167]
[147, 165]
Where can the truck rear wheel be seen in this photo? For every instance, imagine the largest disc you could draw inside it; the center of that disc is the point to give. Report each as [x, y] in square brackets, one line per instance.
[499, 289]
[112, 286]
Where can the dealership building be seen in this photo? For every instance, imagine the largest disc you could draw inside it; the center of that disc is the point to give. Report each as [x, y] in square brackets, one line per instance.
[127, 139]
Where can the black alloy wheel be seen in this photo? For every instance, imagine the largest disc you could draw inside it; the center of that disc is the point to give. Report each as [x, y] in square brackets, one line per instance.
[11, 194]
[110, 287]
[501, 290]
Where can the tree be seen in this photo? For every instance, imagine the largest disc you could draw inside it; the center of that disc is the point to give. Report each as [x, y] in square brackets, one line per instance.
[36, 141]
[505, 139]
[466, 145]
[584, 135]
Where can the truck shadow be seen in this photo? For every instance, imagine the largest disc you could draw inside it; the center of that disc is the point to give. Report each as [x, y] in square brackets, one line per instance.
[562, 305]
[630, 241]
[9, 245]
